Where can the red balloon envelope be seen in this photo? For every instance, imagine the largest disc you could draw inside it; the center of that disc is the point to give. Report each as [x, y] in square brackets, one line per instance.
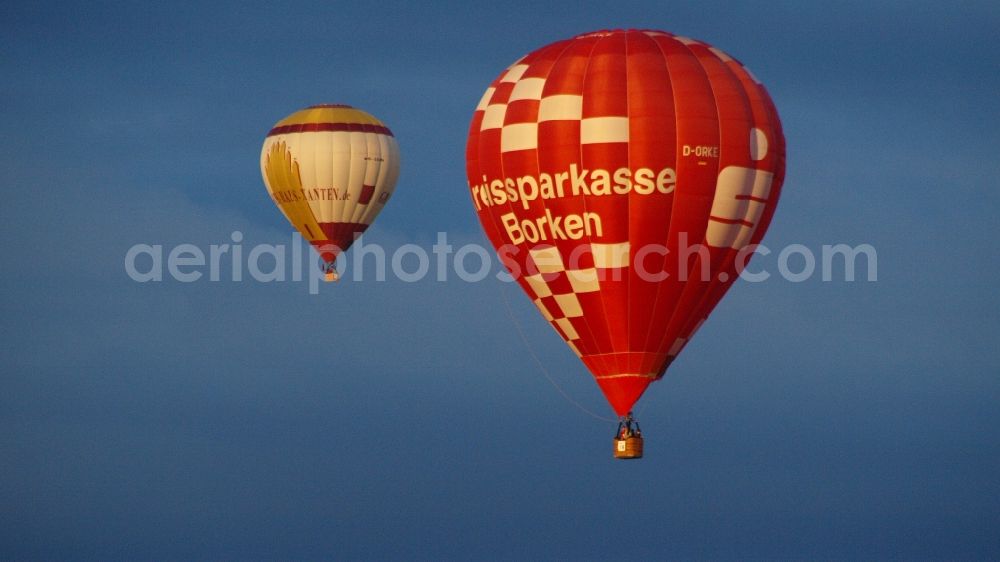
[621, 176]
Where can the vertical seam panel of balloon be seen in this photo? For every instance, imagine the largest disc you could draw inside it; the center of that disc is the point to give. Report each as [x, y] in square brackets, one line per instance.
[538, 168]
[665, 337]
[705, 305]
[695, 293]
[583, 198]
[628, 214]
[673, 202]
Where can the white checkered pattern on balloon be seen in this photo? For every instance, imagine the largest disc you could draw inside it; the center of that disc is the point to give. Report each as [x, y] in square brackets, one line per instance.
[556, 287]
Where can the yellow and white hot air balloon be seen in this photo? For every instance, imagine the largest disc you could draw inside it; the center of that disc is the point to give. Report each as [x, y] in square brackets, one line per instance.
[330, 169]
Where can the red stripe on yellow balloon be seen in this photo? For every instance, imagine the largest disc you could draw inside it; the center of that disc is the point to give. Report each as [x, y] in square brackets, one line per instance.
[329, 118]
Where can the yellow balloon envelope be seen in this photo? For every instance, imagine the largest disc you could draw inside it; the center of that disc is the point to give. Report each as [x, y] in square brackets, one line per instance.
[330, 169]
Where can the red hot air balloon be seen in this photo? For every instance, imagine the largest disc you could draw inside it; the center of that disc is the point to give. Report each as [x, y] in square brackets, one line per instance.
[620, 174]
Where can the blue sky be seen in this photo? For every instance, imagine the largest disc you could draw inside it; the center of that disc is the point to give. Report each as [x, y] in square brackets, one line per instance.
[408, 420]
